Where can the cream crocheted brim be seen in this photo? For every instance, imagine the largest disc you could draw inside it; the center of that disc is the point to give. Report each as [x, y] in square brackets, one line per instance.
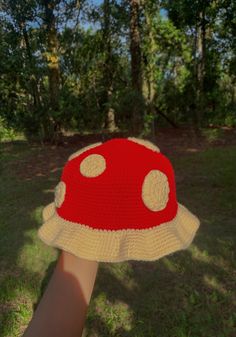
[120, 245]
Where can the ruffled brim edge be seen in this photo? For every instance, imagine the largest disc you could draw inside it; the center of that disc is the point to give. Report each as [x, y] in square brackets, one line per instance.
[120, 245]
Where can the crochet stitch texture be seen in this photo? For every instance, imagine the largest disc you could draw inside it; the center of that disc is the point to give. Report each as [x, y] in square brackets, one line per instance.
[116, 201]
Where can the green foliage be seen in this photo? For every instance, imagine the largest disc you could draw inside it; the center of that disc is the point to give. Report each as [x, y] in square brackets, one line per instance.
[230, 120]
[123, 104]
[89, 66]
[6, 133]
[212, 135]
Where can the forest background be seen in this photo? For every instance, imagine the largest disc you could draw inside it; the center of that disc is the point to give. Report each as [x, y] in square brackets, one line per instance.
[116, 65]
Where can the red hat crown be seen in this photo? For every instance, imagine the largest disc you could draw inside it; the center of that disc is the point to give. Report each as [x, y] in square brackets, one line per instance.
[115, 185]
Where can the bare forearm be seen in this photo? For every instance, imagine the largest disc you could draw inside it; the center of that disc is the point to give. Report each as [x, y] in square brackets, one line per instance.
[63, 307]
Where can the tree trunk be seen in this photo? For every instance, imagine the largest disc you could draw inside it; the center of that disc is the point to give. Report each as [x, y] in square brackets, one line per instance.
[148, 81]
[201, 67]
[53, 65]
[110, 124]
[136, 72]
[33, 78]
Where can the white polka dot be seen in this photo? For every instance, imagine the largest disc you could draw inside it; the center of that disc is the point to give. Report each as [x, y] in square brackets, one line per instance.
[155, 190]
[60, 191]
[93, 165]
[77, 153]
[146, 143]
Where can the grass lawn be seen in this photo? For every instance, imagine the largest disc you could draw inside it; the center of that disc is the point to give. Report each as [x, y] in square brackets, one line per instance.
[190, 293]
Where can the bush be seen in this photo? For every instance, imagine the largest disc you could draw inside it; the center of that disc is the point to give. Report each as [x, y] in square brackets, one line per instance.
[6, 133]
[212, 135]
[230, 120]
[123, 105]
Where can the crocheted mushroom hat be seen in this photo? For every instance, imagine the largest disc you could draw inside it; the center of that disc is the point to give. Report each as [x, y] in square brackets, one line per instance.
[116, 201]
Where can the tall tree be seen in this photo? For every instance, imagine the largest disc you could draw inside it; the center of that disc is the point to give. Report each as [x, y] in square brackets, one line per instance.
[200, 53]
[108, 67]
[20, 13]
[52, 61]
[136, 64]
[151, 11]
[196, 18]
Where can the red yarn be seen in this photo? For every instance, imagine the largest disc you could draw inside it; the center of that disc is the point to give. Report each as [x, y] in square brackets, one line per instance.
[113, 200]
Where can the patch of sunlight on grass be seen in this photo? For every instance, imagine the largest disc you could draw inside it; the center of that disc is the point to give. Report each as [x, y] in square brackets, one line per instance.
[35, 256]
[13, 289]
[131, 284]
[194, 298]
[114, 315]
[123, 272]
[214, 283]
[120, 270]
[220, 261]
[201, 255]
[17, 315]
[190, 149]
[170, 265]
[49, 190]
[36, 215]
